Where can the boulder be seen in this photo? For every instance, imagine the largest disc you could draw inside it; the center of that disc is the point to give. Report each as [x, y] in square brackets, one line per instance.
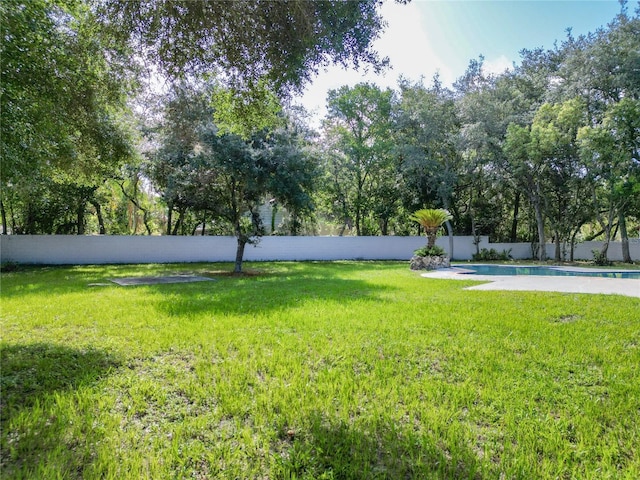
[429, 263]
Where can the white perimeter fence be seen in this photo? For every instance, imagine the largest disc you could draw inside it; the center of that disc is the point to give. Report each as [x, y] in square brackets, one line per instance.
[103, 249]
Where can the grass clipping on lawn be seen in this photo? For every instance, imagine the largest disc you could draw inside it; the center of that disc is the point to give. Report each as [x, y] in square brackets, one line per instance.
[313, 370]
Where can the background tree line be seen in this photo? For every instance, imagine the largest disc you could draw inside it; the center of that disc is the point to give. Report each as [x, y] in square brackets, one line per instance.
[547, 151]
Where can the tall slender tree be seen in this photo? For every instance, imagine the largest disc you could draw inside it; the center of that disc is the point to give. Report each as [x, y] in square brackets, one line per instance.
[360, 119]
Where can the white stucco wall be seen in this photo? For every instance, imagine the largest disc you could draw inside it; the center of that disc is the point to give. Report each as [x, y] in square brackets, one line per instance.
[100, 249]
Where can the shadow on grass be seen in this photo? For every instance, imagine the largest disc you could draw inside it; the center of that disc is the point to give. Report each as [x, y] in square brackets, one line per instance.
[373, 451]
[30, 372]
[247, 296]
[68, 279]
[65, 279]
[52, 280]
[33, 429]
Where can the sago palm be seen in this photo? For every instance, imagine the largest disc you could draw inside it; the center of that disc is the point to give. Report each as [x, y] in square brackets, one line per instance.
[431, 220]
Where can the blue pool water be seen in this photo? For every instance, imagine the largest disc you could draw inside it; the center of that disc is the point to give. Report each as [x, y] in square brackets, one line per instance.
[550, 271]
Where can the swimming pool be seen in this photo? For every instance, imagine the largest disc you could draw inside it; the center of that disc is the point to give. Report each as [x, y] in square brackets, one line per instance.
[546, 270]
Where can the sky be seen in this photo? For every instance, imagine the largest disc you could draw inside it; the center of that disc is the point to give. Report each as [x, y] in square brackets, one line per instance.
[426, 37]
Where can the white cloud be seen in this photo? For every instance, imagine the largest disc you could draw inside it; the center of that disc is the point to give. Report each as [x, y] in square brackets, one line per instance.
[407, 45]
[497, 65]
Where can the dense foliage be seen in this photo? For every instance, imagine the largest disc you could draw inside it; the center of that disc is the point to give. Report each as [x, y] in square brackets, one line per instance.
[64, 129]
[255, 48]
[546, 152]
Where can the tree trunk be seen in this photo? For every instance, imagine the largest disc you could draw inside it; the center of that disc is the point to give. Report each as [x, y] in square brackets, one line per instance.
[624, 237]
[604, 250]
[239, 254]
[474, 229]
[145, 212]
[445, 202]
[558, 250]
[431, 237]
[345, 217]
[13, 218]
[607, 234]
[359, 209]
[542, 253]
[295, 224]
[179, 222]
[96, 205]
[80, 218]
[358, 212]
[169, 218]
[274, 212]
[573, 240]
[145, 220]
[476, 237]
[4, 217]
[514, 223]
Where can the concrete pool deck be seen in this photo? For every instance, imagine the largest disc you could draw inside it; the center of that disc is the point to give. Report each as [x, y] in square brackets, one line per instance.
[608, 286]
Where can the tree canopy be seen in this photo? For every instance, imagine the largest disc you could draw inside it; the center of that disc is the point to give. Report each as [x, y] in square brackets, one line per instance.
[62, 93]
[246, 42]
[257, 49]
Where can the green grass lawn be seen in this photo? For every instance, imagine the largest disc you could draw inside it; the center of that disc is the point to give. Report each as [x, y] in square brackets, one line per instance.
[350, 370]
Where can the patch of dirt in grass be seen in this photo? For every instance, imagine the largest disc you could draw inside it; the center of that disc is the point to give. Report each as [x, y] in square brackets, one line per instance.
[566, 318]
[226, 273]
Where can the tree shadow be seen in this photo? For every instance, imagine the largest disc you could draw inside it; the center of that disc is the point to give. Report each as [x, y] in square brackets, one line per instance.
[36, 280]
[30, 372]
[373, 450]
[260, 294]
[32, 427]
[28, 280]
[54, 279]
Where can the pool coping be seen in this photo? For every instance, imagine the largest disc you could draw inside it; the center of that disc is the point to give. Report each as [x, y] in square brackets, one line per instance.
[567, 268]
[542, 283]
